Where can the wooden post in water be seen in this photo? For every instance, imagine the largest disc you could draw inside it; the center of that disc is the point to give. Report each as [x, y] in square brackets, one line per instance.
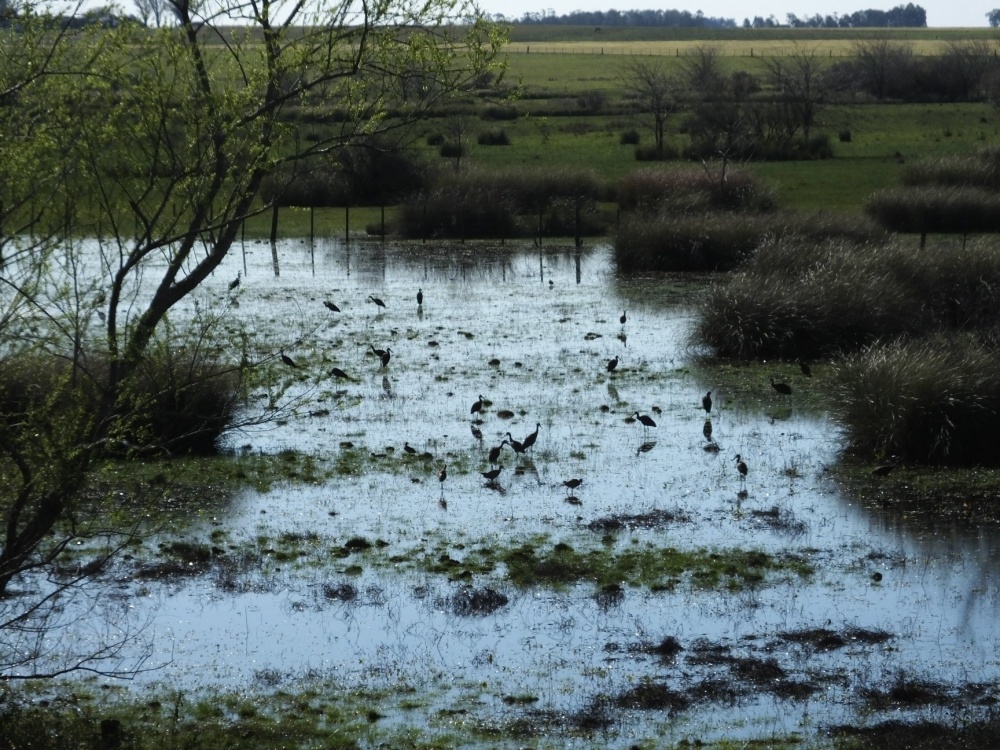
[274, 223]
[383, 225]
[347, 225]
[312, 224]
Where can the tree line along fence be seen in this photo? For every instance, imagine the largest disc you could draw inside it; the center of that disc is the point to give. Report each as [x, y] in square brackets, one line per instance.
[843, 49]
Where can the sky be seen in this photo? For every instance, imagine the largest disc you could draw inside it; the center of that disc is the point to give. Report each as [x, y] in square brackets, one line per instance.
[940, 13]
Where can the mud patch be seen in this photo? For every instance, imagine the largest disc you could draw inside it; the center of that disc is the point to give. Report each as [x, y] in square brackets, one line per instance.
[656, 519]
[823, 639]
[472, 602]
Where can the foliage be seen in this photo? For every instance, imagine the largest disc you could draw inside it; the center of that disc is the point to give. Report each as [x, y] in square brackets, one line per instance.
[687, 190]
[944, 209]
[925, 401]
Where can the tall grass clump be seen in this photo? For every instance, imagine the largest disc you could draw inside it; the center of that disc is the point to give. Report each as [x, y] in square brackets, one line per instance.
[945, 209]
[692, 191]
[719, 241]
[503, 204]
[981, 169]
[798, 298]
[931, 401]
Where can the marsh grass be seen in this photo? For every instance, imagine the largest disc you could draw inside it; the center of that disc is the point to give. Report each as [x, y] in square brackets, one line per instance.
[925, 401]
[797, 298]
[698, 240]
[946, 209]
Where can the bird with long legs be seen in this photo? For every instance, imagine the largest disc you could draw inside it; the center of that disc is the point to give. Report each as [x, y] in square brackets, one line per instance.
[379, 304]
[645, 420]
[386, 355]
[612, 364]
[495, 451]
[330, 306]
[624, 318]
[572, 484]
[492, 474]
[288, 360]
[530, 439]
[477, 406]
[706, 402]
[420, 297]
[338, 373]
[234, 284]
[517, 445]
[741, 467]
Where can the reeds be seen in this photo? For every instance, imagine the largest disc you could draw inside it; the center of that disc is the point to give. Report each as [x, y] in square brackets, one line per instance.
[926, 401]
[798, 298]
[948, 209]
[692, 190]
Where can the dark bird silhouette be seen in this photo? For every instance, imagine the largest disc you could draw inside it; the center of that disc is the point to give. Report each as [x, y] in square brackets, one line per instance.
[782, 388]
[806, 370]
[477, 406]
[420, 297]
[476, 432]
[288, 360]
[741, 467]
[706, 402]
[330, 306]
[646, 420]
[385, 356]
[623, 318]
[235, 282]
[572, 484]
[884, 469]
[495, 452]
[378, 303]
[515, 444]
[442, 475]
[492, 474]
[530, 439]
[612, 364]
[338, 373]
[706, 429]
[409, 448]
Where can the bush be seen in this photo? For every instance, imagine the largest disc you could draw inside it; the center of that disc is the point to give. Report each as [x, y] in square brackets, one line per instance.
[493, 138]
[691, 191]
[796, 298]
[499, 112]
[930, 401]
[979, 170]
[844, 136]
[934, 209]
[652, 153]
[435, 139]
[629, 138]
[452, 151]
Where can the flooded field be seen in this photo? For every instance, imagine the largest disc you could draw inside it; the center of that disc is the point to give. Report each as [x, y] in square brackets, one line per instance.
[666, 597]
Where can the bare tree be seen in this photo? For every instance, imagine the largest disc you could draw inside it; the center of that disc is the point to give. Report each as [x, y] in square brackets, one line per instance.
[654, 91]
[881, 64]
[702, 68]
[799, 81]
[154, 11]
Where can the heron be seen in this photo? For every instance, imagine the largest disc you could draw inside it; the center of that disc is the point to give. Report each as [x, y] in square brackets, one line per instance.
[706, 402]
[409, 448]
[806, 370]
[517, 445]
[781, 388]
[612, 364]
[330, 306]
[420, 297]
[572, 484]
[741, 467]
[235, 282]
[386, 355]
[442, 475]
[477, 406]
[623, 318]
[492, 474]
[647, 421]
[495, 452]
[338, 373]
[530, 439]
[288, 360]
[378, 303]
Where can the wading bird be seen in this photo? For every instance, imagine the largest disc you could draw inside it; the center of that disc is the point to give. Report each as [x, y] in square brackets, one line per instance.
[235, 282]
[781, 388]
[530, 439]
[385, 356]
[477, 406]
[378, 303]
[495, 452]
[741, 467]
[572, 484]
[706, 402]
[420, 297]
[338, 373]
[612, 364]
[409, 448]
[330, 306]
[442, 475]
[623, 318]
[515, 444]
[288, 360]
[647, 421]
[492, 474]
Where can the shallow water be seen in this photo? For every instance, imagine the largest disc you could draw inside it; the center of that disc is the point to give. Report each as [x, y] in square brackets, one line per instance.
[551, 319]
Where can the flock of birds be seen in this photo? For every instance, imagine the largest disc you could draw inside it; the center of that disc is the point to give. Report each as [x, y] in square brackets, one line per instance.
[521, 446]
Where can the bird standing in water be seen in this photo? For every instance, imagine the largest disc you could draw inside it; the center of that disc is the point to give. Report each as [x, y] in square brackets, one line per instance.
[235, 282]
[330, 306]
[741, 467]
[706, 402]
[517, 445]
[420, 297]
[646, 421]
[288, 360]
[378, 303]
[623, 318]
[477, 406]
[530, 439]
[386, 355]
[572, 484]
[612, 364]
[492, 474]
[495, 452]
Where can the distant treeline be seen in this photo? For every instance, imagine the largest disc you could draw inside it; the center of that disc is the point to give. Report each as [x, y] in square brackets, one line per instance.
[909, 15]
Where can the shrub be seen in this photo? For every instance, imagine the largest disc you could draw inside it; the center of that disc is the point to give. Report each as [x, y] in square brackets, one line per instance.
[929, 401]
[652, 153]
[979, 170]
[435, 139]
[452, 150]
[691, 191]
[844, 136]
[629, 138]
[500, 112]
[493, 138]
[795, 297]
[944, 209]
